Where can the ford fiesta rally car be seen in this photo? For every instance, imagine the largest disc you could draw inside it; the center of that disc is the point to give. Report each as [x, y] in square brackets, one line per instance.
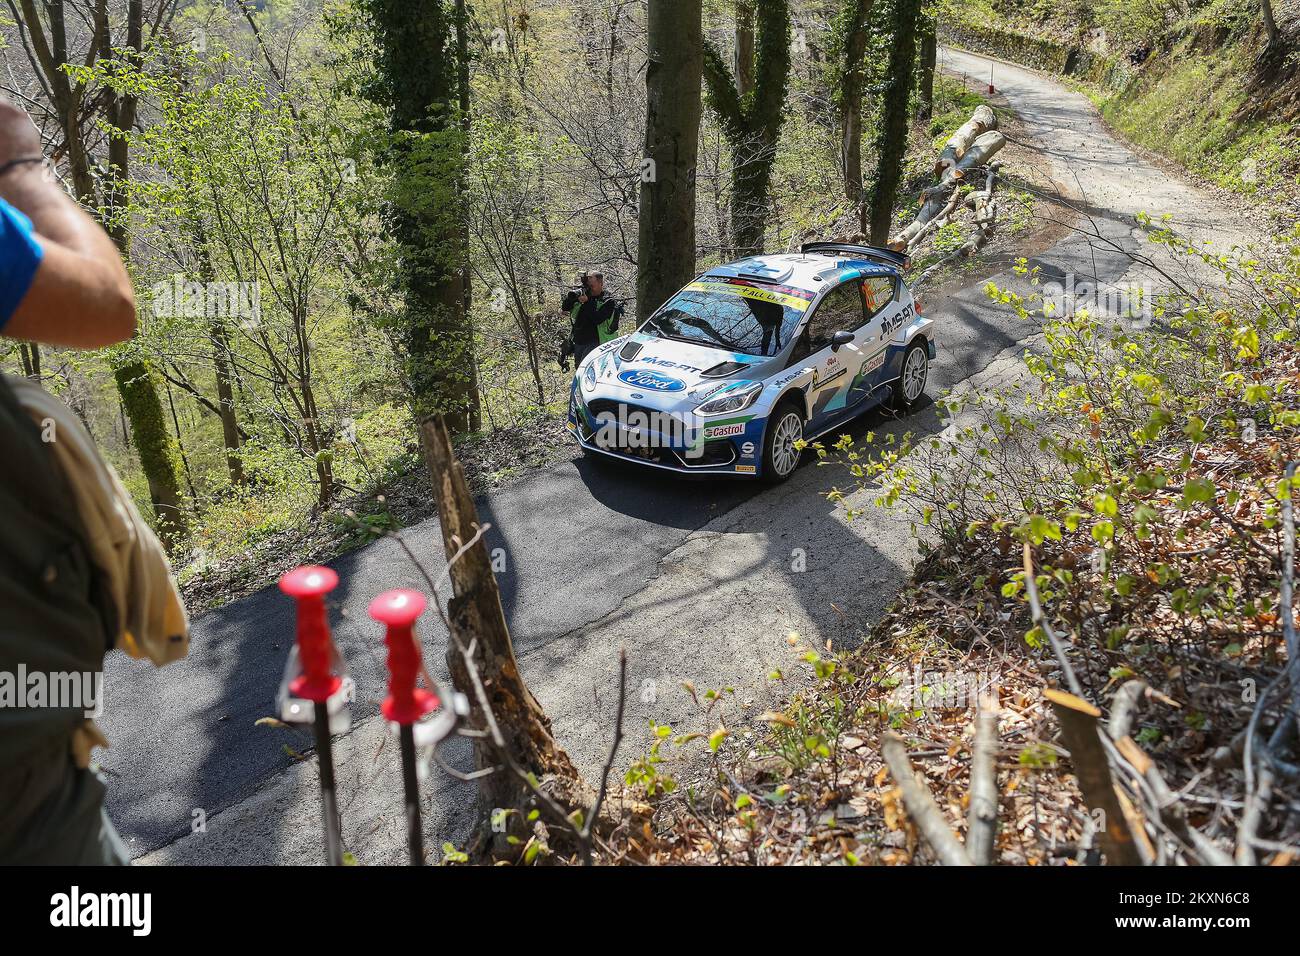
[753, 356]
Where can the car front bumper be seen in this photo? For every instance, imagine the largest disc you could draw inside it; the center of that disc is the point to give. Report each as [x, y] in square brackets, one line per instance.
[734, 451]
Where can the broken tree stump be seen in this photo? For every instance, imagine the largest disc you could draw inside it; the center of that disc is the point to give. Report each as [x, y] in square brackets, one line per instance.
[1080, 727]
[512, 734]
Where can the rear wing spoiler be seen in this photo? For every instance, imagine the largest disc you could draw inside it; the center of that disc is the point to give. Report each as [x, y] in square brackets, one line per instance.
[889, 257]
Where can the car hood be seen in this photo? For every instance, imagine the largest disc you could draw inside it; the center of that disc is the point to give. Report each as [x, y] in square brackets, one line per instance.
[665, 371]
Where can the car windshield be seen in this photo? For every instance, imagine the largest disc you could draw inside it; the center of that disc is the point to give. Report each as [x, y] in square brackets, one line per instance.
[738, 317]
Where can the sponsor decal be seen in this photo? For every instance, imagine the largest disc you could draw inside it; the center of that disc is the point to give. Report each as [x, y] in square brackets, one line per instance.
[746, 469]
[761, 293]
[747, 449]
[873, 363]
[700, 394]
[667, 363]
[877, 291]
[725, 431]
[570, 426]
[646, 378]
[834, 376]
[892, 323]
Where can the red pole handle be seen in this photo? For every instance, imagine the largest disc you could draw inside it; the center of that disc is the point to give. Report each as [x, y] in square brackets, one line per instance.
[397, 610]
[308, 585]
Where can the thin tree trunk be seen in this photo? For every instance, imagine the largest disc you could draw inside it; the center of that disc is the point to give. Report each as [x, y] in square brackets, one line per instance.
[851, 81]
[929, 59]
[226, 402]
[892, 140]
[666, 220]
[482, 663]
[1270, 24]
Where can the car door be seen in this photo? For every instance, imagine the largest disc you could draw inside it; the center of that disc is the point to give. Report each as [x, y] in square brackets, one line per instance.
[840, 310]
[880, 304]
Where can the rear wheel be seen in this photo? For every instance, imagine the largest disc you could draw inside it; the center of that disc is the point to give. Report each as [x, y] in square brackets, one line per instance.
[780, 454]
[911, 384]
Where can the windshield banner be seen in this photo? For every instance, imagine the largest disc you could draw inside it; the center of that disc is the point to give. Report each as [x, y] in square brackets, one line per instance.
[762, 293]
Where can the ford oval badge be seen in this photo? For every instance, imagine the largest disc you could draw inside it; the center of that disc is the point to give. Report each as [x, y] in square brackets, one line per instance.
[654, 381]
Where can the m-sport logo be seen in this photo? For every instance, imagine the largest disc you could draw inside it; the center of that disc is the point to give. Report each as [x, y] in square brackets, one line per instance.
[644, 378]
[73, 909]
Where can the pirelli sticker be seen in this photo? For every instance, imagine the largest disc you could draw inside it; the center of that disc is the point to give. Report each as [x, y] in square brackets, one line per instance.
[760, 293]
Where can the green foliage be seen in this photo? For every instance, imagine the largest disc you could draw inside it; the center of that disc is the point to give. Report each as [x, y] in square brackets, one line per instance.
[1142, 464]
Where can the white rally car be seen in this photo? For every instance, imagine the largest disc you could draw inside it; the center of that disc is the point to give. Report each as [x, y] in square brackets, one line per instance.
[753, 356]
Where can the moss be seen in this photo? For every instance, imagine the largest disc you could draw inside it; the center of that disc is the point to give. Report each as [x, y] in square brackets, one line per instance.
[155, 446]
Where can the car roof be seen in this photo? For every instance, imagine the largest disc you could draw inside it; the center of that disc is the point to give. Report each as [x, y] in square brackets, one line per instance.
[810, 271]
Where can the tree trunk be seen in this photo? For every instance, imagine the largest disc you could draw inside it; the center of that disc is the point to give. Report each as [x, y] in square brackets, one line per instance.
[226, 402]
[851, 80]
[1270, 24]
[666, 218]
[478, 622]
[153, 445]
[743, 59]
[418, 81]
[892, 140]
[929, 58]
[751, 121]
[751, 175]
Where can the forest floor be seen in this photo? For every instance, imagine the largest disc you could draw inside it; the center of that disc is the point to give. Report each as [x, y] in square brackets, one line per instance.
[491, 461]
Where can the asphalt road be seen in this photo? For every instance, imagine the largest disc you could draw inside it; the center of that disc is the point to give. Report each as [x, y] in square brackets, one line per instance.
[585, 541]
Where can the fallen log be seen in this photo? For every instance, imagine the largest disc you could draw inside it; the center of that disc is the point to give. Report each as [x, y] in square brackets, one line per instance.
[971, 147]
[920, 804]
[982, 818]
[982, 121]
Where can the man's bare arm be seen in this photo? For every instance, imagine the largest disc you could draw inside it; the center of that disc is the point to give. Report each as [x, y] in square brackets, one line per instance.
[81, 295]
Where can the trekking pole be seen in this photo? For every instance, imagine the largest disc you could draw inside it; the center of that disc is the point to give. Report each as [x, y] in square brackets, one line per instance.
[317, 683]
[405, 703]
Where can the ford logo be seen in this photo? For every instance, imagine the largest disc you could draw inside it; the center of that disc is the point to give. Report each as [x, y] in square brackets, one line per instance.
[644, 378]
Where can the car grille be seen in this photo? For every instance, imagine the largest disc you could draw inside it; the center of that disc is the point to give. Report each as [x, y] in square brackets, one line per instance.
[620, 410]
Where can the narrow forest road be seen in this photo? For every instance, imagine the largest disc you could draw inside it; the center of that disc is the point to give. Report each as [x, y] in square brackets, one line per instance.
[700, 582]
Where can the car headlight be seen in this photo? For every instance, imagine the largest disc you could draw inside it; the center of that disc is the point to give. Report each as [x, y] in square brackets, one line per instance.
[732, 400]
[589, 377]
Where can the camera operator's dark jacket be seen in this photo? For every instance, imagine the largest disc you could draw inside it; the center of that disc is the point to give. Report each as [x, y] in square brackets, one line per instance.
[594, 321]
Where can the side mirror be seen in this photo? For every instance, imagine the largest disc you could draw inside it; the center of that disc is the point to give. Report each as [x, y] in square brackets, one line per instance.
[840, 338]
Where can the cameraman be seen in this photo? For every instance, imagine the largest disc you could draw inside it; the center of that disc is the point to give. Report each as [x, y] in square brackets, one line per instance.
[594, 316]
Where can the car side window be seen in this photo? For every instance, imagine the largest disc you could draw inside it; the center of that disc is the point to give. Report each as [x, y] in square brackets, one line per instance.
[878, 292]
[840, 310]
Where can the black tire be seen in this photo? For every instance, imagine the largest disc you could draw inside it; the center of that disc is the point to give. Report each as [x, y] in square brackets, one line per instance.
[909, 388]
[778, 465]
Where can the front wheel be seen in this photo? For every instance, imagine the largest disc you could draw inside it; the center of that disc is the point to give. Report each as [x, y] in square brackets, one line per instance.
[911, 384]
[780, 452]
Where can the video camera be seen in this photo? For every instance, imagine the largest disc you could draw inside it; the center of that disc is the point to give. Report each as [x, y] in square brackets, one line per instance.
[575, 292]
